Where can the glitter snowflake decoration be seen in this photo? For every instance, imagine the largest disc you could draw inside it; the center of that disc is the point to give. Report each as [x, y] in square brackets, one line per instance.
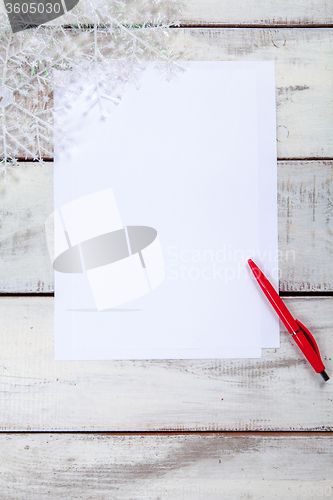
[92, 33]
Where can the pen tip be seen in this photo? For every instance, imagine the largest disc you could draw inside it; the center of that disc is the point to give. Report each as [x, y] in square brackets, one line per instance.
[324, 375]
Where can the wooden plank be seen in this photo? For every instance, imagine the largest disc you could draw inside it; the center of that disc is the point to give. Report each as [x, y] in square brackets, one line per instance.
[304, 69]
[215, 12]
[257, 13]
[305, 228]
[280, 391]
[25, 203]
[227, 13]
[204, 466]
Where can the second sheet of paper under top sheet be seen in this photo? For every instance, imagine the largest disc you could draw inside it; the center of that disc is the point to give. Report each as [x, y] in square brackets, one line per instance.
[194, 158]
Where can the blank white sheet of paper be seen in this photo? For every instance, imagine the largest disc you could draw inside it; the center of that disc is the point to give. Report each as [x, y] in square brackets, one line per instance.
[187, 169]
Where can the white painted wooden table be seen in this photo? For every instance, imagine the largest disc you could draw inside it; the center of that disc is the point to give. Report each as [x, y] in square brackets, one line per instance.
[213, 429]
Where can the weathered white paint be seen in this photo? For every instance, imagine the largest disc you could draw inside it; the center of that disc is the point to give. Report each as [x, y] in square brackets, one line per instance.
[305, 225]
[304, 71]
[278, 392]
[304, 68]
[238, 12]
[25, 203]
[164, 467]
[257, 12]
[305, 228]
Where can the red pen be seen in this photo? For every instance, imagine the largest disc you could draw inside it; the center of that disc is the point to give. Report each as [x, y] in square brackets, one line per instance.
[300, 334]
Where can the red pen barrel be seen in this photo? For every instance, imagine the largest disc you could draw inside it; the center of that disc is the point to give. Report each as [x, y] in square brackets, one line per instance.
[309, 348]
[283, 312]
[274, 298]
[300, 334]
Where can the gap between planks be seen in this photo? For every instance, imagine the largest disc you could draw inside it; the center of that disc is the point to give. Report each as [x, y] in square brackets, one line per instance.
[279, 392]
[303, 74]
[233, 433]
[305, 229]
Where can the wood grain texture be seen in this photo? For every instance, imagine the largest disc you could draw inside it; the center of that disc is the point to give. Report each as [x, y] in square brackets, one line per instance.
[305, 228]
[278, 392]
[257, 12]
[240, 12]
[160, 467]
[304, 75]
[25, 203]
[226, 13]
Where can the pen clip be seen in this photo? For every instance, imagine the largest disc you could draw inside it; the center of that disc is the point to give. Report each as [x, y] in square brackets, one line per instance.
[309, 337]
